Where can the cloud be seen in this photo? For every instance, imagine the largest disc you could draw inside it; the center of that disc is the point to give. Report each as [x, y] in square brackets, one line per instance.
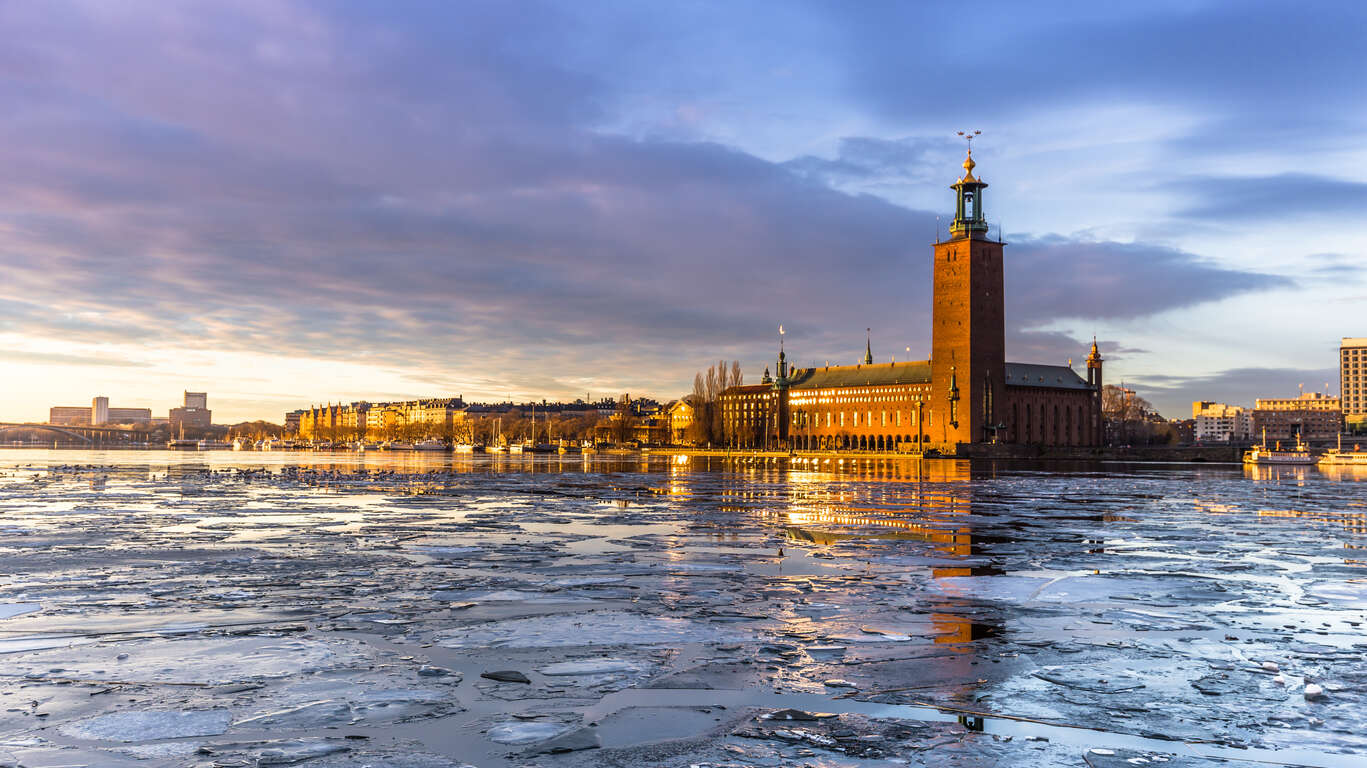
[1054, 277]
[22, 356]
[863, 158]
[456, 191]
[1260, 197]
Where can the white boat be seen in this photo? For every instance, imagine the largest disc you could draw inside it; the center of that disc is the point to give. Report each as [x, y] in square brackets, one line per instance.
[469, 448]
[398, 446]
[1337, 457]
[495, 449]
[212, 445]
[239, 444]
[430, 444]
[1261, 454]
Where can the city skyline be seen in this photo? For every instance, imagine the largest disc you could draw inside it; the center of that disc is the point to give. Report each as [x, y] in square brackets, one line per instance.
[283, 203]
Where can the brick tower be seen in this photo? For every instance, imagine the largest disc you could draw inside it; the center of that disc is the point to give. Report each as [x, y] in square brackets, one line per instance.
[968, 337]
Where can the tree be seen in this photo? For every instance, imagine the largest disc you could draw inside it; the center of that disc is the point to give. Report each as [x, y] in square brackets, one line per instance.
[623, 422]
[707, 427]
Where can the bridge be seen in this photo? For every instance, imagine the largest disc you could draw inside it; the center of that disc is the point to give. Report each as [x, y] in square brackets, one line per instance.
[70, 433]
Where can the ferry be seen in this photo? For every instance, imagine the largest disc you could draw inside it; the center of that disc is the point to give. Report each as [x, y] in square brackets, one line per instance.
[1337, 457]
[430, 444]
[1261, 454]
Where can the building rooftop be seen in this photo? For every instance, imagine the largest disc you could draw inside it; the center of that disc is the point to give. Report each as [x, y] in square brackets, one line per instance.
[1049, 376]
[877, 374]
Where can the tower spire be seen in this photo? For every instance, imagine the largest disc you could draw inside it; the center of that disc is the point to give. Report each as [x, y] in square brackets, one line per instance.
[868, 346]
[969, 218]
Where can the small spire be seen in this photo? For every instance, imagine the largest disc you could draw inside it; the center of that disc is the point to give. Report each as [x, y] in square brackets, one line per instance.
[868, 346]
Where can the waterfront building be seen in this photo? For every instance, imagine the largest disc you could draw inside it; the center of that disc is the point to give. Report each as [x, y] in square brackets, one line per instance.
[682, 415]
[966, 393]
[68, 415]
[1353, 377]
[97, 413]
[1221, 423]
[1310, 416]
[194, 413]
[360, 419]
[292, 421]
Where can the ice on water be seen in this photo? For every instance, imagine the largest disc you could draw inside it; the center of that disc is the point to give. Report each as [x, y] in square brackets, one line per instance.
[262, 609]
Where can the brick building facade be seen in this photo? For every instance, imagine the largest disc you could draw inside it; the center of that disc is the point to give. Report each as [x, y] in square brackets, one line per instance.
[965, 393]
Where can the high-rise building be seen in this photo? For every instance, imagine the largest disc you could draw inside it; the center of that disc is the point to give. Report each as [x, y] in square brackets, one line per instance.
[195, 412]
[99, 411]
[1353, 376]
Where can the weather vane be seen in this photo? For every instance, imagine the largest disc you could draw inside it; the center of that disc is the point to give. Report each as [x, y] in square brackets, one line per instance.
[969, 136]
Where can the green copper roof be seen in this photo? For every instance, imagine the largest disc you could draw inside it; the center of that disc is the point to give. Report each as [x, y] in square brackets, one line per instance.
[881, 374]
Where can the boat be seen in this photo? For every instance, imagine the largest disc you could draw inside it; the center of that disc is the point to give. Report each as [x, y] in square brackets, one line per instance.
[469, 448]
[1261, 454]
[516, 448]
[181, 442]
[398, 446]
[239, 444]
[212, 445]
[430, 444]
[1337, 457]
[495, 449]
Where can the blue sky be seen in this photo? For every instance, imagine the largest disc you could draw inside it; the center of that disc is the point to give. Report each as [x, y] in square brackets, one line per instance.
[285, 203]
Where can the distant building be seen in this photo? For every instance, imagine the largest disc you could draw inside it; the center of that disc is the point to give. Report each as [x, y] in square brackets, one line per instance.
[130, 416]
[68, 415]
[195, 413]
[292, 421]
[98, 414]
[1353, 376]
[1220, 423]
[1311, 416]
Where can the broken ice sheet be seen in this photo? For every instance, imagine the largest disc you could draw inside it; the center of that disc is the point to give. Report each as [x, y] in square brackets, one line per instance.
[207, 661]
[10, 610]
[149, 725]
[525, 732]
[585, 629]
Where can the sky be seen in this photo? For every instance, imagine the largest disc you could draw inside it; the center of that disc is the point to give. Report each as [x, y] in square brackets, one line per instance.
[287, 203]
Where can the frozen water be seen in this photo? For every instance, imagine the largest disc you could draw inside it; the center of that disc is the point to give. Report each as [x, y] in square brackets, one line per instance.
[10, 610]
[1348, 594]
[318, 599]
[585, 629]
[149, 725]
[193, 660]
[521, 732]
[601, 666]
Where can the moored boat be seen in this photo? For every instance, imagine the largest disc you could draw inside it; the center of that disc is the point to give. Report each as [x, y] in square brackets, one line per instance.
[430, 444]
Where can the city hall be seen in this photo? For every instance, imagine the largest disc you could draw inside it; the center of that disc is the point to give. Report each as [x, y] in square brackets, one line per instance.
[966, 394]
